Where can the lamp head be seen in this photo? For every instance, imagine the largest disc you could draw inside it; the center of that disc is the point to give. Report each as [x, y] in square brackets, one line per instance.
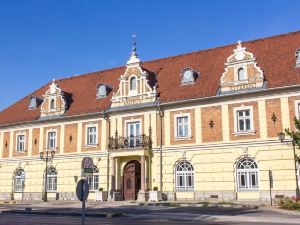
[281, 136]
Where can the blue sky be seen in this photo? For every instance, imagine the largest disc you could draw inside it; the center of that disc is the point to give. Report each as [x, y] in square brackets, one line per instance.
[45, 39]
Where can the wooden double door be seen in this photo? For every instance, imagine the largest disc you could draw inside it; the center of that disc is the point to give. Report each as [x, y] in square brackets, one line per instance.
[131, 180]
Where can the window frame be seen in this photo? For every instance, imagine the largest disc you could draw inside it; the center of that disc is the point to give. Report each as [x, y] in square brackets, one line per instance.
[98, 94]
[236, 73]
[297, 112]
[55, 140]
[91, 125]
[185, 175]
[131, 91]
[53, 178]
[235, 117]
[53, 98]
[94, 179]
[176, 126]
[248, 173]
[19, 178]
[17, 142]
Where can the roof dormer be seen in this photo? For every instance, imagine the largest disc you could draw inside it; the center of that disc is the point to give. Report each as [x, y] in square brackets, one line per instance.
[103, 90]
[34, 102]
[54, 103]
[188, 76]
[241, 72]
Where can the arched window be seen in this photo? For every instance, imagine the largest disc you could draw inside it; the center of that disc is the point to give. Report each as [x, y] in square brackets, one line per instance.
[94, 179]
[52, 103]
[133, 84]
[241, 74]
[51, 179]
[101, 91]
[184, 176]
[247, 174]
[19, 180]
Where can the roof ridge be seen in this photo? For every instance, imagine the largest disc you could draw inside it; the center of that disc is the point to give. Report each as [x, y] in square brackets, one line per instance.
[181, 54]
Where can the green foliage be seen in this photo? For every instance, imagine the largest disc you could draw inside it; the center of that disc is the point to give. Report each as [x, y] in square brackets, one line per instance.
[289, 203]
[294, 135]
[155, 189]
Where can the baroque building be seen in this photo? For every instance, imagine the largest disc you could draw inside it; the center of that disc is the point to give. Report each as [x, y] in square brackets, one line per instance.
[196, 126]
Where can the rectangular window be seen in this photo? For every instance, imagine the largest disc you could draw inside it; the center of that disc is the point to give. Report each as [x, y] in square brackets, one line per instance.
[298, 110]
[134, 134]
[51, 183]
[51, 140]
[183, 126]
[93, 182]
[91, 136]
[20, 142]
[243, 120]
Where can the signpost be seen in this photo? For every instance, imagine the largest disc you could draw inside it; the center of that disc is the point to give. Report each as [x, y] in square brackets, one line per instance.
[82, 192]
[87, 166]
[82, 189]
[271, 185]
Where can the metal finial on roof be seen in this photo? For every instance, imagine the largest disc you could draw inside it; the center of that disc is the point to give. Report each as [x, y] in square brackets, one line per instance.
[134, 43]
[239, 43]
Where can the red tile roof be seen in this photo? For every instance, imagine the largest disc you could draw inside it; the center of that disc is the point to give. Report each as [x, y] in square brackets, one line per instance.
[275, 56]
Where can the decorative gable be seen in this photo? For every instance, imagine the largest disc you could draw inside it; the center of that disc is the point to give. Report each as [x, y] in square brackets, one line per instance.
[54, 101]
[241, 72]
[136, 84]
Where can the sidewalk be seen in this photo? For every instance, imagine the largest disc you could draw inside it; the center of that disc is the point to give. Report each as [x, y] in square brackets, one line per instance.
[120, 208]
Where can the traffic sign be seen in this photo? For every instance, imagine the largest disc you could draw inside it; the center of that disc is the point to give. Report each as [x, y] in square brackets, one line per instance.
[87, 166]
[87, 170]
[82, 190]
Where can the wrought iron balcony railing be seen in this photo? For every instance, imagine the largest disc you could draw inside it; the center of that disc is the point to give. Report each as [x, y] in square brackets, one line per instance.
[132, 142]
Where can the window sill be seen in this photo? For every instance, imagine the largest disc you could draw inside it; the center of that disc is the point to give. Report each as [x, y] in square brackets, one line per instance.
[188, 138]
[185, 190]
[92, 146]
[21, 151]
[241, 133]
[248, 190]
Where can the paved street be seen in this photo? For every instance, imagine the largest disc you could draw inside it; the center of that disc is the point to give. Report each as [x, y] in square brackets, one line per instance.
[123, 213]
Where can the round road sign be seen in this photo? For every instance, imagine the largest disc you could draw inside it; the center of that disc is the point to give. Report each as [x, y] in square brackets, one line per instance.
[82, 190]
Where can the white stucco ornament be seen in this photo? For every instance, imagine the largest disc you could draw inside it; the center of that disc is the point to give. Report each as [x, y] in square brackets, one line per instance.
[239, 51]
[53, 87]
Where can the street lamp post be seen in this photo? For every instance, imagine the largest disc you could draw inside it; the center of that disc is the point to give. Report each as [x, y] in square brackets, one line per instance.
[161, 115]
[47, 158]
[281, 137]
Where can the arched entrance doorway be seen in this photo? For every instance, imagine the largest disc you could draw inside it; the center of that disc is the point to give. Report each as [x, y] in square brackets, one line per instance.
[131, 180]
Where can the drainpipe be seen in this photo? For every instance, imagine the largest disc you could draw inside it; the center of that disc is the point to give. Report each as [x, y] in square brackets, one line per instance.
[161, 115]
[106, 117]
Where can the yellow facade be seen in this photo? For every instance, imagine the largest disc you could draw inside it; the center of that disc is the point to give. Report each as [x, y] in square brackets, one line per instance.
[214, 163]
[190, 149]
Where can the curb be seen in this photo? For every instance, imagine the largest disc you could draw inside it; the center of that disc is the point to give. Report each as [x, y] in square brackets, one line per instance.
[283, 211]
[107, 215]
[8, 202]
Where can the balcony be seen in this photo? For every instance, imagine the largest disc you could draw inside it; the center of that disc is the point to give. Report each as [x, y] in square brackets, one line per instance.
[129, 143]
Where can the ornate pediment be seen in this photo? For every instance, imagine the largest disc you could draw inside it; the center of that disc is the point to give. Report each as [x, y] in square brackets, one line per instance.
[136, 84]
[241, 72]
[54, 103]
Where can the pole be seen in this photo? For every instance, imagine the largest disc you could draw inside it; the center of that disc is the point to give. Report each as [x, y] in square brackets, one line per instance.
[23, 183]
[295, 164]
[46, 174]
[271, 185]
[83, 205]
[160, 150]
